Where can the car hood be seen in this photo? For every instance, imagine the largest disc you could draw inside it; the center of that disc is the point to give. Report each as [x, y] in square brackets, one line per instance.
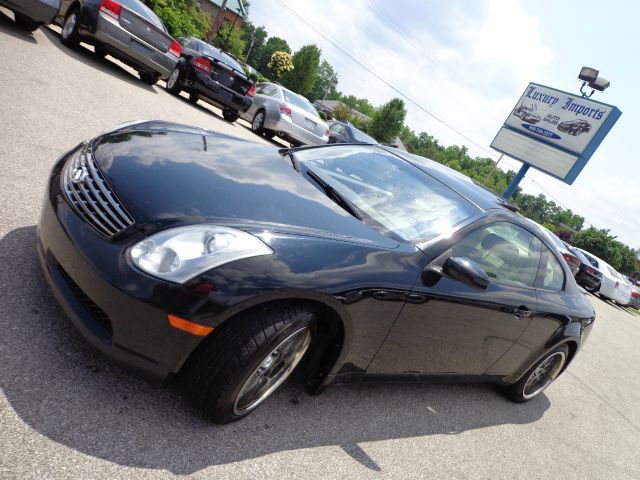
[168, 175]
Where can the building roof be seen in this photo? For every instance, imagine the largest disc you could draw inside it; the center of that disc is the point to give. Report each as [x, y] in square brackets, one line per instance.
[331, 104]
[232, 6]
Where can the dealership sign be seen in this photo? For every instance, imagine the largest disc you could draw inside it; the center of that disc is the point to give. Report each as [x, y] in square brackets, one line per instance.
[555, 131]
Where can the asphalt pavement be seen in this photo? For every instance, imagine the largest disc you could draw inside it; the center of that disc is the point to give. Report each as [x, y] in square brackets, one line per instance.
[68, 413]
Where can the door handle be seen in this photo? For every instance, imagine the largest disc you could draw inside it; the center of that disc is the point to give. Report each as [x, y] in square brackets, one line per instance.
[522, 312]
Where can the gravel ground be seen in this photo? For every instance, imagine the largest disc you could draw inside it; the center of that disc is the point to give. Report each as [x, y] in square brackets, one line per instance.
[66, 412]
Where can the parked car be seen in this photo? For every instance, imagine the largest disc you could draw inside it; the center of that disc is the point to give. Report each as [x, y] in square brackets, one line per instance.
[635, 298]
[527, 114]
[588, 276]
[612, 285]
[30, 14]
[126, 29]
[179, 251]
[279, 111]
[574, 127]
[342, 132]
[208, 73]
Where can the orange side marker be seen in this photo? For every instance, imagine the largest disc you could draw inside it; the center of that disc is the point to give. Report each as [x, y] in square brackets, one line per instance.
[187, 326]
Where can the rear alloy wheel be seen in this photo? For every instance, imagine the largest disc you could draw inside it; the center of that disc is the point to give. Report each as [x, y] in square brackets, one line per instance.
[235, 370]
[540, 376]
[230, 115]
[25, 22]
[69, 34]
[257, 125]
[174, 82]
[149, 78]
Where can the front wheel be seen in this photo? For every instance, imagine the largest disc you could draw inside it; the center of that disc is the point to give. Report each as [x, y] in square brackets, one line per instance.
[238, 368]
[69, 34]
[540, 376]
[174, 82]
[257, 125]
[230, 115]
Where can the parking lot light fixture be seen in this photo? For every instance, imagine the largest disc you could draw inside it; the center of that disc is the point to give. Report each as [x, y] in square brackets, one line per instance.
[591, 77]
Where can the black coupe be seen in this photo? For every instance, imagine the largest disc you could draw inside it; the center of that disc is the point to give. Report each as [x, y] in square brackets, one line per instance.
[186, 253]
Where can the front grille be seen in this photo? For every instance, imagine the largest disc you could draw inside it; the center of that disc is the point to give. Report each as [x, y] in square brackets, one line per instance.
[91, 195]
[89, 305]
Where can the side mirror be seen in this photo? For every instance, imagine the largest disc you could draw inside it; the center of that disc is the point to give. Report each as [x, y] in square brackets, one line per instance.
[466, 271]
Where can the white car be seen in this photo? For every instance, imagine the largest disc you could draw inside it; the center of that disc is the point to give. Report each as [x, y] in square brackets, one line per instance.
[613, 285]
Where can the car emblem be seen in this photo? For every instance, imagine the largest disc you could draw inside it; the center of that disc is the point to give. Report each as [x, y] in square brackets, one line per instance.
[79, 175]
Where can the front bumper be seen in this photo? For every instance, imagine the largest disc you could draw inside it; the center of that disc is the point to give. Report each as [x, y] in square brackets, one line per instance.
[278, 123]
[37, 10]
[218, 95]
[129, 48]
[120, 311]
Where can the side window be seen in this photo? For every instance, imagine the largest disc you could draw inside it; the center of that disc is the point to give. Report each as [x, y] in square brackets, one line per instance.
[552, 275]
[266, 89]
[337, 128]
[508, 253]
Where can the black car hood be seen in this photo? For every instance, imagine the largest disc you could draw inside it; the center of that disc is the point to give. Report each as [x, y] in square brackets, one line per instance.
[166, 174]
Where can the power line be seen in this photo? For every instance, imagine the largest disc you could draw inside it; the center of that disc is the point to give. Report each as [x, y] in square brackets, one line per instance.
[383, 80]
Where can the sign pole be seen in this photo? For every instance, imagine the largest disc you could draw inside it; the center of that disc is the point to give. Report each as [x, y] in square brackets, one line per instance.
[516, 181]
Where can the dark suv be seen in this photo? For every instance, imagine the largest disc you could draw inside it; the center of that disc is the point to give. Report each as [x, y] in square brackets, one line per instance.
[209, 74]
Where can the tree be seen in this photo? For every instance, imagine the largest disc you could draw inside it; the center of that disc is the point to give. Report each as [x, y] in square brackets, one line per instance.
[230, 40]
[263, 55]
[181, 17]
[306, 63]
[387, 121]
[326, 82]
[254, 38]
[342, 112]
[279, 64]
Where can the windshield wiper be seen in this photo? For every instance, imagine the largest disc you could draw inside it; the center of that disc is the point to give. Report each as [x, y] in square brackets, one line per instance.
[334, 195]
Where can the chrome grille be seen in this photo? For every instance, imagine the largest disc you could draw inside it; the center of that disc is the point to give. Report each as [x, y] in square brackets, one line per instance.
[91, 195]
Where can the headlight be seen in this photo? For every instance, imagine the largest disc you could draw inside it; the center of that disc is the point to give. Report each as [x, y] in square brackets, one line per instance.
[179, 254]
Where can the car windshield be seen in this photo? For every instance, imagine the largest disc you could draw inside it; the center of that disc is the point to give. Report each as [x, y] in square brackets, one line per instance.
[299, 102]
[393, 193]
[143, 11]
[213, 52]
[362, 137]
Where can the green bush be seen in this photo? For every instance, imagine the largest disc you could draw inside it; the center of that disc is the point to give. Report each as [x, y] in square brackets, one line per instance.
[181, 17]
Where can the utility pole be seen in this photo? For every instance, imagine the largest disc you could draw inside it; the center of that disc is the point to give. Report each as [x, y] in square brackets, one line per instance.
[253, 39]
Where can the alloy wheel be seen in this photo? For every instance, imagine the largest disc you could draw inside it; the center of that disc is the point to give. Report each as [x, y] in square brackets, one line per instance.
[545, 373]
[69, 25]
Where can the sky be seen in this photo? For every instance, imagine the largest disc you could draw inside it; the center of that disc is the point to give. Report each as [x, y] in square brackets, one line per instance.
[466, 62]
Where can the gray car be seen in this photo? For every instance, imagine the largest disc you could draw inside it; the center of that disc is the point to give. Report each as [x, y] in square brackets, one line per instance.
[126, 29]
[279, 111]
[30, 14]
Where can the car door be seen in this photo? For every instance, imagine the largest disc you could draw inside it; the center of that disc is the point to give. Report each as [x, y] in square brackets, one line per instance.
[264, 91]
[449, 327]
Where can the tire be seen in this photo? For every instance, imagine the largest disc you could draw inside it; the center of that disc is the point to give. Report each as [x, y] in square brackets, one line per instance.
[25, 22]
[100, 51]
[257, 124]
[533, 383]
[174, 82]
[230, 115]
[149, 78]
[193, 97]
[225, 377]
[69, 33]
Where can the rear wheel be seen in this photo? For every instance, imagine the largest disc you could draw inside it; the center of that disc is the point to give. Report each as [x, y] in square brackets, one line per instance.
[230, 115]
[236, 370]
[149, 78]
[257, 125]
[69, 34]
[540, 376]
[174, 82]
[25, 22]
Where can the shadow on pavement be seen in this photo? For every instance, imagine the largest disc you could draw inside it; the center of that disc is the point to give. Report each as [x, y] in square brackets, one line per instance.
[8, 26]
[60, 387]
[85, 55]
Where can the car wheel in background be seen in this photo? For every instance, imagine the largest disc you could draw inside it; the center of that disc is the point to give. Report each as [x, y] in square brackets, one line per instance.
[149, 78]
[69, 33]
[257, 124]
[540, 376]
[25, 22]
[100, 51]
[236, 369]
[230, 115]
[174, 82]
[193, 97]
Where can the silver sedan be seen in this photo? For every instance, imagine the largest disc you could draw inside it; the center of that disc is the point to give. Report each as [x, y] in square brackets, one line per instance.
[279, 111]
